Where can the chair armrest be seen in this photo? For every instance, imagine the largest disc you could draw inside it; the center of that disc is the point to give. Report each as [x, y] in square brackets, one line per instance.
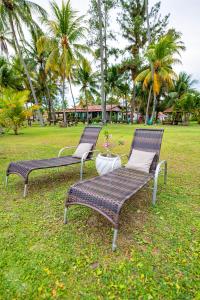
[158, 169]
[118, 156]
[159, 165]
[86, 154]
[65, 148]
[82, 161]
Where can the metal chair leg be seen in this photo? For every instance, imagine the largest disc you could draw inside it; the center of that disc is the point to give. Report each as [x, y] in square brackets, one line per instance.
[81, 171]
[65, 215]
[155, 188]
[114, 245]
[25, 189]
[158, 168]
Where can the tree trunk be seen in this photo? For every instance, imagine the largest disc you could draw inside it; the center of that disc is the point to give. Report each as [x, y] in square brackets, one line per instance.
[133, 104]
[15, 129]
[126, 103]
[102, 63]
[51, 115]
[148, 104]
[17, 47]
[148, 24]
[154, 108]
[158, 107]
[111, 108]
[105, 50]
[152, 67]
[70, 86]
[63, 101]
[87, 108]
[52, 102]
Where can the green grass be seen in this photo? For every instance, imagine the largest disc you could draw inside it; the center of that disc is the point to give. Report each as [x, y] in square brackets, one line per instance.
[158, 247]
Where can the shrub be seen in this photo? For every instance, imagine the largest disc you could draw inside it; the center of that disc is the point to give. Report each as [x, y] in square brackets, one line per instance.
[12, 109]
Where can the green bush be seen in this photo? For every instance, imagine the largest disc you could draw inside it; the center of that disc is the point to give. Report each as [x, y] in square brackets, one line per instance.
[13, 111]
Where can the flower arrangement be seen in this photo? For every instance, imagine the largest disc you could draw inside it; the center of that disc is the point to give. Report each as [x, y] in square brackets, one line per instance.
[108, 145]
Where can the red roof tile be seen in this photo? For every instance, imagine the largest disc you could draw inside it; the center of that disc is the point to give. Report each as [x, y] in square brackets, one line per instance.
[95, 108]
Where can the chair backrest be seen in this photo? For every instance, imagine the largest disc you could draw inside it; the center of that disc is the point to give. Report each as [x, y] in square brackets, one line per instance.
[90, 135]
[148, 140]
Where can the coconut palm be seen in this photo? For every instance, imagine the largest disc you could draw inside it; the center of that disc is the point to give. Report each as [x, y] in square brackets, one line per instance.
[5, 38]
[103, 104]
[113, 82]
[13, 15]
[162, 55]
[182, 92]
[183, 83]
[124, 91]
[152, 69]
[8, 76]
[42, 78]
[88, 81]
[65, 49]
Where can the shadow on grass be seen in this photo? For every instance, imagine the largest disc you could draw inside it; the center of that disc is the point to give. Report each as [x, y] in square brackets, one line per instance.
[133, 218]
[41, 181]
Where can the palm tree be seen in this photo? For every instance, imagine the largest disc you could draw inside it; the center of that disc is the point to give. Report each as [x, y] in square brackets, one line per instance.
[13, 14]
[5, 39]
[38, 60]
[152, 69]
[162, 56]
[183, 85]
[8, 76]
[113, 83]
[88, 80]
[103, 104]
[65, 49]
[124, 90]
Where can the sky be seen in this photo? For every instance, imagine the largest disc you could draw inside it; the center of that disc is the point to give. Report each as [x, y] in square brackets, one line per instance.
[184, 17]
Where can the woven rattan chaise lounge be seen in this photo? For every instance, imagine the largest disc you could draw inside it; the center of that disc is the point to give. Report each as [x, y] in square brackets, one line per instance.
[24, 168]
[107, 193]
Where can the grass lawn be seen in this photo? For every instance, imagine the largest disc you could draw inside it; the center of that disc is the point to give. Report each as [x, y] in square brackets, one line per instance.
[158, 252]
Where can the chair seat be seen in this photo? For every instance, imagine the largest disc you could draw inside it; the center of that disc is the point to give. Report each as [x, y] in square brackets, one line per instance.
[24, 167]
[107, 193]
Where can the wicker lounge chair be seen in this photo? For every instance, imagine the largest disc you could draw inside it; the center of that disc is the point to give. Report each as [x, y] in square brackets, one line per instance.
[24, 168]
[107, 194]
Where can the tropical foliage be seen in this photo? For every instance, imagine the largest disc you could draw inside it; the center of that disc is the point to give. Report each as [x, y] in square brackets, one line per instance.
[88, 82]
[69, 59]
[12, 109]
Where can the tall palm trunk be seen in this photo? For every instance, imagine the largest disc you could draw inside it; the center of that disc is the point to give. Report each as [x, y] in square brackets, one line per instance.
[148, 104]
[154, 108]
[133, 103]
[52, 104]
[105, 49]
[111, 108]
[102, 63]
[50, 113]
[126, 103]
[51, 116]
[17, 47]
[63, 100]
[70, 86]
[152, 68]
[86, 101]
